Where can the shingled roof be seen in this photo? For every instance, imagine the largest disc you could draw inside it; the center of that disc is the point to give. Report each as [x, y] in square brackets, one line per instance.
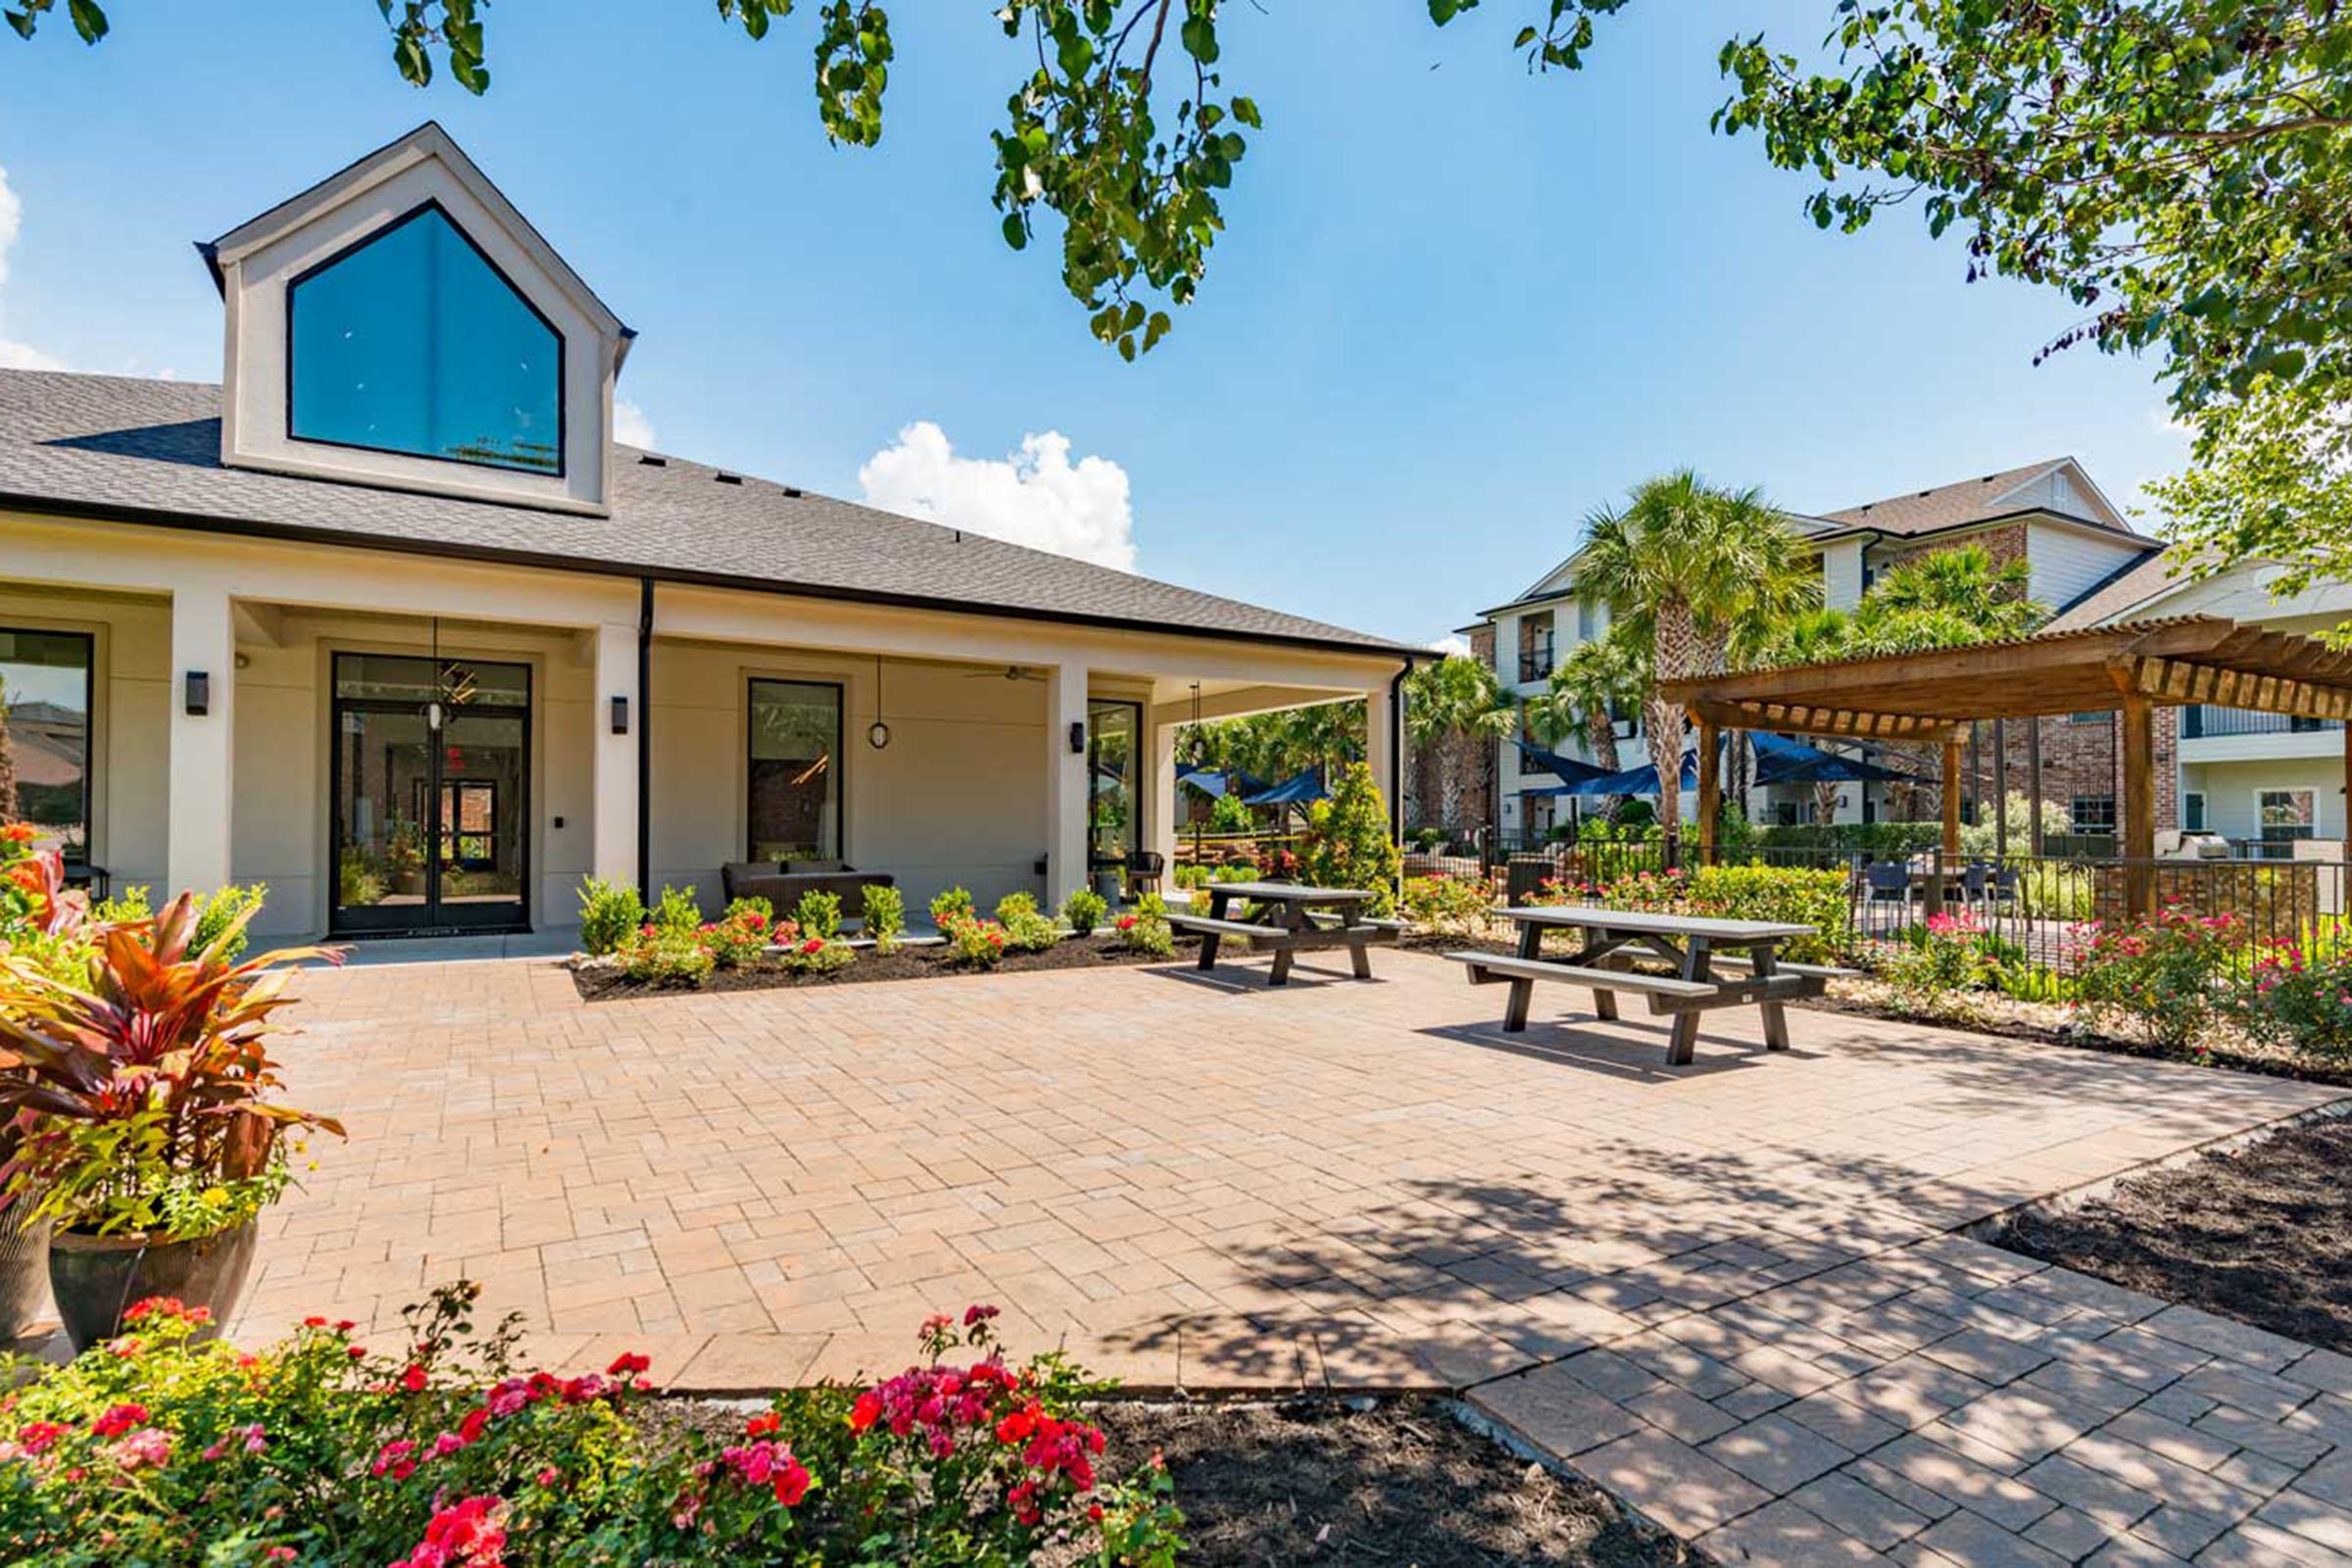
[1962, 502]
[149, 451]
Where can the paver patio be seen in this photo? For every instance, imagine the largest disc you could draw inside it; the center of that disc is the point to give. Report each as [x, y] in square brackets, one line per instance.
[1726, 1291]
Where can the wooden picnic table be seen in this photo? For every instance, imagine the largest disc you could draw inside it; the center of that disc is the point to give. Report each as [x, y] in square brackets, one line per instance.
[1690, 944]
[1287, 923]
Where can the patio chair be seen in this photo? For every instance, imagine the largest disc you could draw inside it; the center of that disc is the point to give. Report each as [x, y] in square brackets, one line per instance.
[2000, 886]
[1972, 883]
[1888, 882]
[1145, 868]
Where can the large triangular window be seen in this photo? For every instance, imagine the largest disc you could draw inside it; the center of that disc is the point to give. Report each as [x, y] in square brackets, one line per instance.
[412, 341]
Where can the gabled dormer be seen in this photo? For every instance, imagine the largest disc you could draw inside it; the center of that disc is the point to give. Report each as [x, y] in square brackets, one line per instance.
[400, 323]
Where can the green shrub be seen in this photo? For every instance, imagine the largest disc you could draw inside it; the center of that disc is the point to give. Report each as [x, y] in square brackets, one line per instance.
[1349, 844]
[1145, 928]
[818, 914]
[1456, 906]
[1230, 815]
[676, 909]
[741, 939]
[215, 913]
[1015, 904]
[1189, 877]
[609, 913]
[665, 955]
[950, 906]
[1938, 970]
[1084, 909]
[885, 917]
[816, 955]
[2301, 1002]
[439, 1446]
[1796, 895]
[753, 904]
[977, 942]
[2163, 978]
[1028, 930]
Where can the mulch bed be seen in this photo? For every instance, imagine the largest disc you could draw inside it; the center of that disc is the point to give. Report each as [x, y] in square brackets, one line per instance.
[599, 983]
[2261, 1233]
[1363, 1483]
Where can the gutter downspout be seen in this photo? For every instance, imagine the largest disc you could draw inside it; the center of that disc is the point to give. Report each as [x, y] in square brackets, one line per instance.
[644, 740]
[1397, 763]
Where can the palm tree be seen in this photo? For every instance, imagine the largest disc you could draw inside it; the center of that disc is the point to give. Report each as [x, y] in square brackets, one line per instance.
[1455, 701]
[1587, 688]
[1946, 598]
[1694, 572]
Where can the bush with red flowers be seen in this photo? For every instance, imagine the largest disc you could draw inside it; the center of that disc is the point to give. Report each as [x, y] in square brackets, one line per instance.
[435, 1450]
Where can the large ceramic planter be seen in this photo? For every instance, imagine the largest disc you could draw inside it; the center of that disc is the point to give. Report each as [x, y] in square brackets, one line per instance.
[97, 1278]
[24, 1277]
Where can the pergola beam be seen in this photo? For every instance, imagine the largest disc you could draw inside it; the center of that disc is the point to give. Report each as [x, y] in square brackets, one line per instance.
[1800, 719]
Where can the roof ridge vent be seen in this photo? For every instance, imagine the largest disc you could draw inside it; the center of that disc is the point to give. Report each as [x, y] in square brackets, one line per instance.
[647, 459]
[793, 490]
[724, 477]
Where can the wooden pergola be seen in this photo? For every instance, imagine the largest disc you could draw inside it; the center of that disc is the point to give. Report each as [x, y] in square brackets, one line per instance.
[1934, 698]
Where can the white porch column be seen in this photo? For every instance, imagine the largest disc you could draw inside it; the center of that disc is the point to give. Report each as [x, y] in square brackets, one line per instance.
[1066, 783]
[1159, 808]
[1380, 736]
[202, 744]
[614, 849]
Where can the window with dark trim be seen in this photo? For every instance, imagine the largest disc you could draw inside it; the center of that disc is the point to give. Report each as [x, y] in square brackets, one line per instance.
[47, 686]
[2092, 814]
[412, 341]
[794, 789]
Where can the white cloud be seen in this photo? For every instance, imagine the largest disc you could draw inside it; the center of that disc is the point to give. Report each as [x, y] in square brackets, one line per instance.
[631, 427]
[1451, 644]
[1036, 496]
[16, 356]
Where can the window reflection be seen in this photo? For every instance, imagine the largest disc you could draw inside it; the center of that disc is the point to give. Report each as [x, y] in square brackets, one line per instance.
[45, 736]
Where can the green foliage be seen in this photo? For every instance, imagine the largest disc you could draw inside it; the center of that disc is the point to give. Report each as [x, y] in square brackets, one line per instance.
[1146, 930]
[443, 1447]
[144, 1085]
[660, 955]
[976, 942]
[1015, 904]
[226, 908]
[1457, 695]
[1024, 927]
[610, 913]
[816, 955]
[885, 917]
[741, 938]
[1230, 815]
[949, 906]
[1977, 838]
[765, 908]
[2301, 999]
[676, 911]
[1938, 970]
[1274, 746]
[2162, 977]
[1084, 909]
[1350, 843]
[818, 914]
[357, 886]
[1881, 841]
[1798, 894]
[1456, 906]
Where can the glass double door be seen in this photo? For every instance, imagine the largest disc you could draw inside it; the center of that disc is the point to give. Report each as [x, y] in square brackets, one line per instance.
[431, 795]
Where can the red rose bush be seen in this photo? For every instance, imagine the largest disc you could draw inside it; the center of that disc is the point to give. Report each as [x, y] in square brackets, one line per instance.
[437, 1451]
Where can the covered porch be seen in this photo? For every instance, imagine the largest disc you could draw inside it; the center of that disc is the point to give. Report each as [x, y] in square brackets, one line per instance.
[401, 744]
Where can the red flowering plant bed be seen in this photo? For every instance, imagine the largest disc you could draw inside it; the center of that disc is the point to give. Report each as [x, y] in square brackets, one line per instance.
[438, 1452]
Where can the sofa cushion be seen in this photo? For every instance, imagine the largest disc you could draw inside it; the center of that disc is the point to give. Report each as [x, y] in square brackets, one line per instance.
[817, 867]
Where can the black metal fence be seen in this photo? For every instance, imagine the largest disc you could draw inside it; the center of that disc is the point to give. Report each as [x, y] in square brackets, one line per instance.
[2033, 906]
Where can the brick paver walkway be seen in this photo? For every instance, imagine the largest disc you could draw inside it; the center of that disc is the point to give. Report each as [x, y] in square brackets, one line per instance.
[1726, 1292]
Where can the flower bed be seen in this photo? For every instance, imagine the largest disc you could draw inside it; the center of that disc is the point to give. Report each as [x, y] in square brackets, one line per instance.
[607, 982]
[436, 1452]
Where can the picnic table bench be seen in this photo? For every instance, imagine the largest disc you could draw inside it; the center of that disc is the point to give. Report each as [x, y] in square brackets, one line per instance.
[1690, 944]
[1293, 918]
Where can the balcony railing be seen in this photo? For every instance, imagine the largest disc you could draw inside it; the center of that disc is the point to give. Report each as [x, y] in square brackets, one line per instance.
[2205, 722]
[1536, 661]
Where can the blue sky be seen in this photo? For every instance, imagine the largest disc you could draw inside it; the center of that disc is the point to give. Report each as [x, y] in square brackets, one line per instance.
[1456, 307]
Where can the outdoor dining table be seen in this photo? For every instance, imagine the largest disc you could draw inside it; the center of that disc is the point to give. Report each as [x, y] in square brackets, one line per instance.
[1690, 944]
[1285, 923]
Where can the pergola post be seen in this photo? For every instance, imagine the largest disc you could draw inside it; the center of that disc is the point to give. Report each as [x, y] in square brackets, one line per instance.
[2139, 804]
[1951, 800]
[2001, 790]
[1710, 791]
[2033, 843]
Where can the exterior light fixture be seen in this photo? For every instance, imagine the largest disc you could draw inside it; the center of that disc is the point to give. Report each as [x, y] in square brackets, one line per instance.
[1077, 737]
[199, 698]
[621, 715]
[877, 734]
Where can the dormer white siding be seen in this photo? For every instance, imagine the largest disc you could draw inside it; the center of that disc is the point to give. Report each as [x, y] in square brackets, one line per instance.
[553, 382]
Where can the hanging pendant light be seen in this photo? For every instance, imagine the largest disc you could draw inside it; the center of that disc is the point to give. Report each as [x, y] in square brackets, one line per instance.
[878, 734]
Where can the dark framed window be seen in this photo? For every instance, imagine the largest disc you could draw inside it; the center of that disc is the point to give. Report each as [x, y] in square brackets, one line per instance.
[794, 788]
[2192, 810]
[1113, 760]
[47, 695]
[412, 341]
[2092, 814]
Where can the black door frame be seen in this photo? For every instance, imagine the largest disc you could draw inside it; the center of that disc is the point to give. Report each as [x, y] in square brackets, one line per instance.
[1134, 780]
[430, 917]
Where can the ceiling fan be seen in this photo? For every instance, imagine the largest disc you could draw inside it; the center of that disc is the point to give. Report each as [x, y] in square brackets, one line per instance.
[1008, 672]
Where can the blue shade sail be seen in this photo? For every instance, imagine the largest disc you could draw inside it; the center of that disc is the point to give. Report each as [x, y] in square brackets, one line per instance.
[414, 343]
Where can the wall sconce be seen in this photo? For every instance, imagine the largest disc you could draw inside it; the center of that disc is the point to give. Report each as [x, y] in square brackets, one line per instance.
[621, 715]
[1078, 737]
[199, 699]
